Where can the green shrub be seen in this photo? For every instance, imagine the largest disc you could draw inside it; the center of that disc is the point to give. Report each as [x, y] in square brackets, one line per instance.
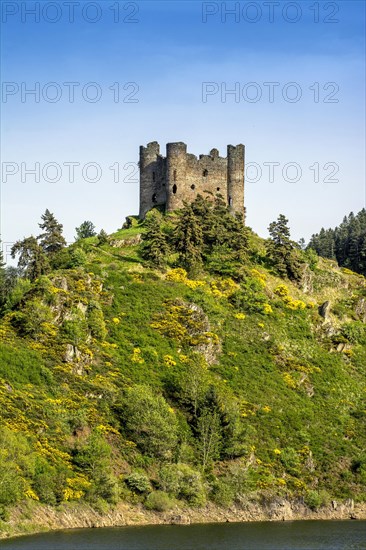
[222, 492]
[354, 332]
[159, 501]
[316, 499]
[149, 421]
[183, 482]
[138, 483]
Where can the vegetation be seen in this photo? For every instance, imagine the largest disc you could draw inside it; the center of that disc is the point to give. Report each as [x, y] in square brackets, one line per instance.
[192, 366]
[85, 230]
[346, 243]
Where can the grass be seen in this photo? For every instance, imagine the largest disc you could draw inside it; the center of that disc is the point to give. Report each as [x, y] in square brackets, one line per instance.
[291, 408]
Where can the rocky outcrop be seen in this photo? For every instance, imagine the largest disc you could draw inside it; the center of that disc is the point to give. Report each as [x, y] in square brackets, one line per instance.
[324, 310]
[120, 243]
[360, 309]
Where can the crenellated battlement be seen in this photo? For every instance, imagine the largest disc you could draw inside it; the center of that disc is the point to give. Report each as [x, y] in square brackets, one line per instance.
[180, 176]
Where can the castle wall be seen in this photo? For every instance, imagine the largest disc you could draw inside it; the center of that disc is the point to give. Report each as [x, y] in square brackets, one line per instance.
[152, 178]
[180, 177]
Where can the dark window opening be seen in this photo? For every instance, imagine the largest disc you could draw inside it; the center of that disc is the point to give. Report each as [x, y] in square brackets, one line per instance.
[154, 198]
[217, 188]
[205, 173]
[193, 186]
[175, 175]
[153, 176]
[174, 189]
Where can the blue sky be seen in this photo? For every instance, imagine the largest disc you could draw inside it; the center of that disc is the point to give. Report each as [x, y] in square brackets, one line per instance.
[163, 60]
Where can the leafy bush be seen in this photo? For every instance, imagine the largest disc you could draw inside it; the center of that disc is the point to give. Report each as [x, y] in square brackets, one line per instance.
[138, 483]
[183, 482]
[222, 492]
[316, 499]
[149, 421]
[159, 501]
[354, 332]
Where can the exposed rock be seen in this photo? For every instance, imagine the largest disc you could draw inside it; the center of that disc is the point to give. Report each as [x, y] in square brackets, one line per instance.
[82, 307]
[179, 520]
[360, 309]
[132, 241]
[307, 281]
[329, 329]
[343, 346]
[210, 349]
[69, 353]
[280, 509]
[324, 310]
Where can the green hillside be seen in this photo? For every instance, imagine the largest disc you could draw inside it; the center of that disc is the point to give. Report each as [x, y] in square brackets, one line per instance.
[186, 382]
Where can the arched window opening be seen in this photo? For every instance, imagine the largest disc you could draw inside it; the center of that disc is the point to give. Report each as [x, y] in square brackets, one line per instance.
[174, 189]
[175, 175]
[230, 201]
[154, 198]
[153, 176]
[217, 188]
[193, 186]
[205, 173]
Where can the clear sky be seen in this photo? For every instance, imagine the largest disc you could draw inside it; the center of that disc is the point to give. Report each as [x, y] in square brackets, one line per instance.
[109, 76]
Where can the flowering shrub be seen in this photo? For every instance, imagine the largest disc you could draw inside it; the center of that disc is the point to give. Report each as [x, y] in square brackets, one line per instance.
[179, 275]
[240, 316]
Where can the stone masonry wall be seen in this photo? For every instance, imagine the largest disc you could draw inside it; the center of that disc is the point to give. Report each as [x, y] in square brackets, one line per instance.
[180, 177]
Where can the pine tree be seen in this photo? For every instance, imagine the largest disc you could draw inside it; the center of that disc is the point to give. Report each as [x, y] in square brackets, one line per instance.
[282, 251]
[155, 246]
[102, 237]
[85, 230]
[52, 239]
[188, 240]
[32, 261]
[345, 243]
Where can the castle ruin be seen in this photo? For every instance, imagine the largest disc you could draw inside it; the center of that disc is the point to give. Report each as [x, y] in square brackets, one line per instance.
[180, 176]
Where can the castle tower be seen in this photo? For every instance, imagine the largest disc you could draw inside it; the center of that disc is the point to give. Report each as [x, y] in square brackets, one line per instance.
[235, 178]
[152, 178]
[180, 176]
[176, 168]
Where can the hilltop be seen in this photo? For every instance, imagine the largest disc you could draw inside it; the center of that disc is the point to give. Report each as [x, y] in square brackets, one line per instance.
[230, 381]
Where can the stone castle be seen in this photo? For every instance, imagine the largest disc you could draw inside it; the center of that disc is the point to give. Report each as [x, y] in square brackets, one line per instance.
[180, 176]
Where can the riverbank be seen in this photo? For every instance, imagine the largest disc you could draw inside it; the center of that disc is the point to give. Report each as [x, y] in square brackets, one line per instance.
[38, 518]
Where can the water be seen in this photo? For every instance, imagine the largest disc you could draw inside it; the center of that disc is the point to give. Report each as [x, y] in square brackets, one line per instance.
[296, 535]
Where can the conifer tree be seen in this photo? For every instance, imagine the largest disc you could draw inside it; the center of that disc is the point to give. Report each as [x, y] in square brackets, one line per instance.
[282, 250]
[346, 243]
[32, 259]
[102, 237]
[85, 230]
[188, 240]
[52, 239]
[155, 247]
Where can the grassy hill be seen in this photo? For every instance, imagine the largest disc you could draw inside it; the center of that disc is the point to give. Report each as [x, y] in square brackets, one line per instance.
[123, 382]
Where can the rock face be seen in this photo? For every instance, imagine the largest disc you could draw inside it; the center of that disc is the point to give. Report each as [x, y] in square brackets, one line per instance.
[120, 243]
[324, 310]
[360, 309]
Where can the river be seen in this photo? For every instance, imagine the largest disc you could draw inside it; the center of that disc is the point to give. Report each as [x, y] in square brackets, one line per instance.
[295, 535]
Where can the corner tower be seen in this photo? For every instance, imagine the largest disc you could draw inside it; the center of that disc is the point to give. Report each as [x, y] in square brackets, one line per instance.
[152, 178]
[235, 178]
